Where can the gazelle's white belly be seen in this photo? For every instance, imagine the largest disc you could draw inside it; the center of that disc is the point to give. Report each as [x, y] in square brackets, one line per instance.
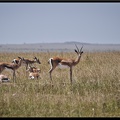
[62, 66]
[8, 70]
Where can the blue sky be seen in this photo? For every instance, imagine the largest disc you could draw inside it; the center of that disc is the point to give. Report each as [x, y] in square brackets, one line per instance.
[59, 22]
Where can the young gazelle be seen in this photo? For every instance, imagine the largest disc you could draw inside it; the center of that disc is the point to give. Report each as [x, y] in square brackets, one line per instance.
[33, 72]
[28, 62]
[11, 66]
[61, 62]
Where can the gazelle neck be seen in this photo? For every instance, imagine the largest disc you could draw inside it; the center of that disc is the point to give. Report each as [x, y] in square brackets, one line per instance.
[34, 61]
[77, 60]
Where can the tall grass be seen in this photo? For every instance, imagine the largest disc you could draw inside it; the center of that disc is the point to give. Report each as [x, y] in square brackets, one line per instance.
[95, 91]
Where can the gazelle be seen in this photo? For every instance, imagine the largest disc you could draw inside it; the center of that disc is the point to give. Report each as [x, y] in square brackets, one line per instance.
[11, 66]
[33, 72]
[4, 78]
[28, 62]
[61, 62]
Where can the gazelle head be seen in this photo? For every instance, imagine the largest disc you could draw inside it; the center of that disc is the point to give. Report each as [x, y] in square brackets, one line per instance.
[78, 51]
[37, 60]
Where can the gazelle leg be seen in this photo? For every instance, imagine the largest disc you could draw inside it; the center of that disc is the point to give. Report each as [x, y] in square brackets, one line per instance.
[27, 69]
[14, 76]
[71, 75]
[51, 69]
[37, 77]
[50, 72]
[26, 66]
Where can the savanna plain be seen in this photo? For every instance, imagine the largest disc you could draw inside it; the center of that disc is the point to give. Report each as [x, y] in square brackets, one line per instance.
[95, 91]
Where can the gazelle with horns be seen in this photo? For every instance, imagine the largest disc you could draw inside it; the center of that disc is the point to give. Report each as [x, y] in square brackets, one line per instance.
[58, 62]
[28, 62]
[11, 66]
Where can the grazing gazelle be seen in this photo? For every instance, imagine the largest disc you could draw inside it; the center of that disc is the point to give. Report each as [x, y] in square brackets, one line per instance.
[61, 62]
[11, 66]
[28, 62]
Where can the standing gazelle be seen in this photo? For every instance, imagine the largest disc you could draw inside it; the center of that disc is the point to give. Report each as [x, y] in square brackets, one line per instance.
[61, 62]
[11, 66]
[28, 62]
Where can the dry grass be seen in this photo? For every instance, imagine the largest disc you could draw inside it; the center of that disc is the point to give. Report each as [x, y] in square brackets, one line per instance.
[95, 91]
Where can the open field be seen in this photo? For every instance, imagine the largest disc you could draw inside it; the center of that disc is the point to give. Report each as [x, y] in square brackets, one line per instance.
[95, 91]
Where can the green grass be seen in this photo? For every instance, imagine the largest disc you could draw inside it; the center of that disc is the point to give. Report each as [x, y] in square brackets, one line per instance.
[95, 91]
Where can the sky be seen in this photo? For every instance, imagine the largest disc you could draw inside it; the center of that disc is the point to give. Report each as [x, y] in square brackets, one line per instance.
[49, 22]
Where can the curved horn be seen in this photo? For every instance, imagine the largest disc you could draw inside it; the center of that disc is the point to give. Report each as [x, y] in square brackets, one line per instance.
[77, 48]
[81, 49]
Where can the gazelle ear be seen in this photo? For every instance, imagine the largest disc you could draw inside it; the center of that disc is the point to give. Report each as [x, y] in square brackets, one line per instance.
[81, 52]
[76, 51]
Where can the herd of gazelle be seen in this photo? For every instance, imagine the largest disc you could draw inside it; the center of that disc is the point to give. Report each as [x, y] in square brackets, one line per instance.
[34, 72]
[16, 63]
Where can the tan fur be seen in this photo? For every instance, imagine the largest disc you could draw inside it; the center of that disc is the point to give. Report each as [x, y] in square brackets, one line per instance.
[34, 75]
[11, 66]
[33, 72]
[67, 63]
[28, 62]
